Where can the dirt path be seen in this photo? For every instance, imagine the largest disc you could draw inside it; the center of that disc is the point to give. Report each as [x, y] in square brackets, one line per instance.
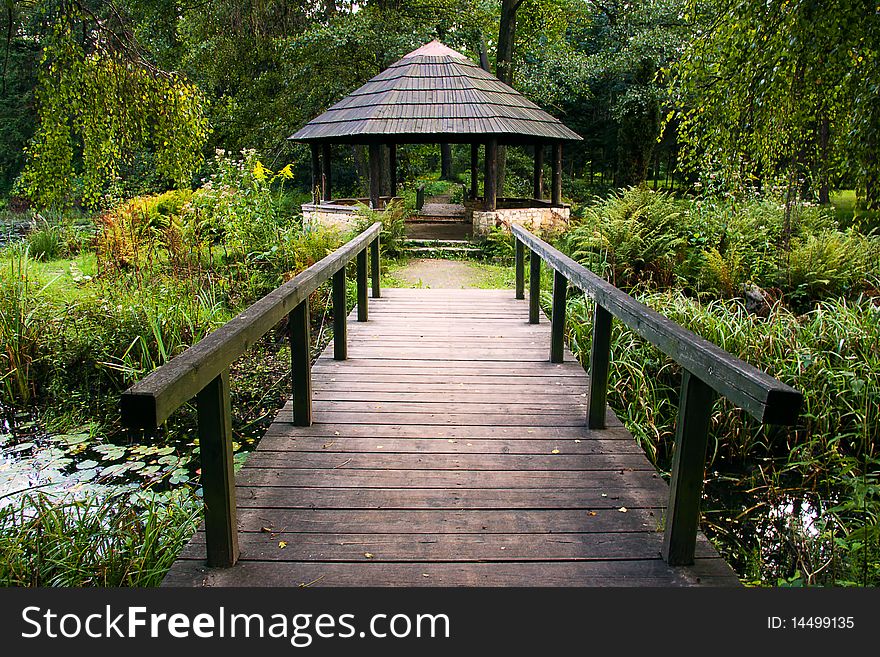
[425, 272]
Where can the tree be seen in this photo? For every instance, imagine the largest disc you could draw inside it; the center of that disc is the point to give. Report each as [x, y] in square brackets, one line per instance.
[783, 91]
[100, 102]
[598, 64]
[18, 117]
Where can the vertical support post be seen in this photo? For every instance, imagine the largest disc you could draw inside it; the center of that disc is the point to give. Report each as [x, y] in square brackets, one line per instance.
[298, 324]
[520, 269]
[599, 359]
[374, 267]
[538, 173]
[375, 174]
[557, 175]
[688, 467]
[392, 168]
[490, 183]
[316, 174]
[534, 288]
[340, 337]
[475, 170]
[362, 285]
[327, 187]
[557, 321]
[218, 478]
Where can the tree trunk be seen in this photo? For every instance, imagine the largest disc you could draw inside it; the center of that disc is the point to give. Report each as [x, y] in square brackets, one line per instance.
[824, 182]
[445, 162]
[504, 68]
[361, 166]
[506, 36]
[384, 171]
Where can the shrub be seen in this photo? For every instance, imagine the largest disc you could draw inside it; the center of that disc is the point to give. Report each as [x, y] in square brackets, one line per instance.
[498, 244]
[830, 263]
[637, 234]
[393, 218]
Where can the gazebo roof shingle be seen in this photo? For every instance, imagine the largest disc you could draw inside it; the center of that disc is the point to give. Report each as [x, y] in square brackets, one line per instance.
[434, 94]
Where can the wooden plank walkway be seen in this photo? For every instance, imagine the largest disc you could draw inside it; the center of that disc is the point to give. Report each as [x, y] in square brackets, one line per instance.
[448, 451]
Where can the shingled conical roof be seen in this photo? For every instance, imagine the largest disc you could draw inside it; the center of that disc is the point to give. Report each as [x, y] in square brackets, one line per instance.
[435, 94]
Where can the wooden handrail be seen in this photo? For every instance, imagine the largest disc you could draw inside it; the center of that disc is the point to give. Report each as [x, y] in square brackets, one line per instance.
[202, 371]
[708, 370]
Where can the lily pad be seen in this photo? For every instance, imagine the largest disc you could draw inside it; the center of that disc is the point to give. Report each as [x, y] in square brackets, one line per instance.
[114, 470]
[86, 475]
[72, 438]
[88, 464]
[110, 452]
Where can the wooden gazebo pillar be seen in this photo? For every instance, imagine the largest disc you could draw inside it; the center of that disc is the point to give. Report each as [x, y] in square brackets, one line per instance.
[316, 174]
[475, 170]
[490, 183]
[538, 174]
[326, 178]
[375, 174]
[557, 174]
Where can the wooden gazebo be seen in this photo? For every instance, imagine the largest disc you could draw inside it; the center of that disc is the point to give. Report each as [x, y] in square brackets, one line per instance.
[436, 95]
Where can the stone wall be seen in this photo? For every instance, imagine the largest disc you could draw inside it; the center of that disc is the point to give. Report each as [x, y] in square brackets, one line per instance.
[533, 219]
[344, 217]
[340, 217]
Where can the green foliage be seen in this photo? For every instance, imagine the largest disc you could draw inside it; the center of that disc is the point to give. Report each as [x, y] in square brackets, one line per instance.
[635, 235]
[114, 105]
[23, 321]
[122, 540]
[830, 354]
[392, 218]
[781, 92]
[600, 72]
[831, 263]
[498, 245]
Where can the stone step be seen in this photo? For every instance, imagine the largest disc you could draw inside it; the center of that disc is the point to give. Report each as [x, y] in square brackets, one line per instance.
[437, 243]
[439, 251]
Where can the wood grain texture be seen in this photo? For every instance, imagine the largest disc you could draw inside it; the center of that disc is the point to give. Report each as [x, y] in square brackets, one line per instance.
[466, 470]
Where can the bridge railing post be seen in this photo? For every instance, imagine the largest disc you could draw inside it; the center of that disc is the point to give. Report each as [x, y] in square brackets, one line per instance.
[362, 283]
[688, 468]
[375, 274]
[520, 250]
[534, 287]
[218, 478]
[340, 337]
[298, 324]
[600, 354]
[557, 321]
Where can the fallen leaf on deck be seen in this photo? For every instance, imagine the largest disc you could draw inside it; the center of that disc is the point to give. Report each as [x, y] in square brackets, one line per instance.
[368, 555]
[554, 451]
[623, 509]
[591, 513]
[282, 544]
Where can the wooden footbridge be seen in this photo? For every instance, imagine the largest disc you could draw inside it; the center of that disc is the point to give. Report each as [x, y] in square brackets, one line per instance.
[448, 438]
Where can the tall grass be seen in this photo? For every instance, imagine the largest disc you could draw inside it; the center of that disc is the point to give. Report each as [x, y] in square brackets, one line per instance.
[112, 541]
[23, 321]
[828, 462]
